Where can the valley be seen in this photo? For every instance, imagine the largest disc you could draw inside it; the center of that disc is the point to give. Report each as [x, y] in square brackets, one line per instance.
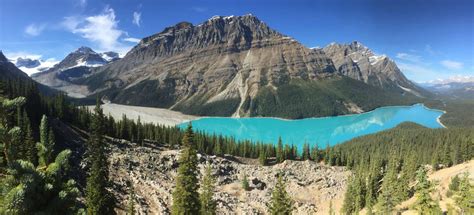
[119, 113]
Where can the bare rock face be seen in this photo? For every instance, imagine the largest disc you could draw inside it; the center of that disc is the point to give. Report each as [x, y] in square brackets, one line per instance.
[151, 172]
[358, 62]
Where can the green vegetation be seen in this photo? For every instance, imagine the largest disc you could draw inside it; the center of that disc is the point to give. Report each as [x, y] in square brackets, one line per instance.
[465, 195]
[280, 202]
[26, 189]
[98, 199]
[185, 195]
[301, 99]
[423, 188]
[208, 204]
[385, 163]
[245, 183]
[458, 112]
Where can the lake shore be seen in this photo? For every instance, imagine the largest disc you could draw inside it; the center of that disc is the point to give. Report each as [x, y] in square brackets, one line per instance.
[172, 118]
[147, 114]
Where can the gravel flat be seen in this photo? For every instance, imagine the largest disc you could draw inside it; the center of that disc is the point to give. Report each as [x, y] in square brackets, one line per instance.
[147, 114]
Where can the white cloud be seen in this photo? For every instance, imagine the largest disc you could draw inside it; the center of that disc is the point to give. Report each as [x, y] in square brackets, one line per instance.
[101, 29]
[451, 64]
[137, 18]
[34, 29]
[132, 40]
[409, 57]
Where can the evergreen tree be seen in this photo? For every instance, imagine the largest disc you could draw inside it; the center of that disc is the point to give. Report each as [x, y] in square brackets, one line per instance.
[208, 204]
[245, 183]
[279, 151]
[98, 199]
[185, 195]
[131, 201]
[31, 152]
[305, 154]
[424, 204]
[41, 190]
[9, 135]
[262, 157]
[280, 202]
[454, 185]
[45, 146]
[465, 197]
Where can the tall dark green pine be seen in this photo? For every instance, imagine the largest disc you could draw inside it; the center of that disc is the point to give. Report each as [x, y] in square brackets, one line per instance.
[280, 202]
[186, 195]
[98, 199]
[424, 204]
[279, 151]
[305, 154]
[208, 204]
[465, 196]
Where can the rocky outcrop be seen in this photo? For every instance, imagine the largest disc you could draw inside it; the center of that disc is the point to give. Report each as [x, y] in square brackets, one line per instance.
[359, 62]
[150, 171]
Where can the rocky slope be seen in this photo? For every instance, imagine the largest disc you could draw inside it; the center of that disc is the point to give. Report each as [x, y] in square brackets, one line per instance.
[359, 62]
[151, 171]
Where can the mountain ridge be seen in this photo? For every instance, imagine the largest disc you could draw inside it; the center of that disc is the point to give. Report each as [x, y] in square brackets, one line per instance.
[233, 66]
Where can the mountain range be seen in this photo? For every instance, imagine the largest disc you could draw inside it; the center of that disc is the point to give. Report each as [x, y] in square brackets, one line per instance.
[454, 87]
[236, 66]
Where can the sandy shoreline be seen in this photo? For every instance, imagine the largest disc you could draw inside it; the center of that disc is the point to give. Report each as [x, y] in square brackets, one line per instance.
[147, 114]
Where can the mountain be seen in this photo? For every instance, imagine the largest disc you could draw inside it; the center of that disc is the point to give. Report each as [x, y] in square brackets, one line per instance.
[359, 62]
[455, 87]
[8, 70]
[75, 65]
[33, 65]
[238, 65]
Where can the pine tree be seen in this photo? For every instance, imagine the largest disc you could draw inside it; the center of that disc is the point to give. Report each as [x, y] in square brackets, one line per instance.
[424, 204]
[9, 135]
[46, 144]
[262, 157]
[98, 199]
[41, 190]
[279, 151]
[465, 196]
[208, 204]
[245, 183]
[186, 195]
[131, 201]
[31, 150]
[280, 202]
[305, 154]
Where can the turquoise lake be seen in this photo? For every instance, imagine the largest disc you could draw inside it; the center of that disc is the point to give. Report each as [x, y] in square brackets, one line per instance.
[332, 130]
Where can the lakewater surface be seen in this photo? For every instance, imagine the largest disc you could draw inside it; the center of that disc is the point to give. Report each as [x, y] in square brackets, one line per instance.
[332, 130]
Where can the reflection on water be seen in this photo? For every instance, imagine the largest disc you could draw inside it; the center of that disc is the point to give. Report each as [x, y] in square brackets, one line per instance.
[319, 131]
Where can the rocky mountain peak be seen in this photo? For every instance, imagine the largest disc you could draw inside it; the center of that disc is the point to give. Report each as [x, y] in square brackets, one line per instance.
[2, 57]
[85, 50]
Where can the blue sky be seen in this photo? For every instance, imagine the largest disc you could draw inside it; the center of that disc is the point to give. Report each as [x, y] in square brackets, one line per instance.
[428, 39]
